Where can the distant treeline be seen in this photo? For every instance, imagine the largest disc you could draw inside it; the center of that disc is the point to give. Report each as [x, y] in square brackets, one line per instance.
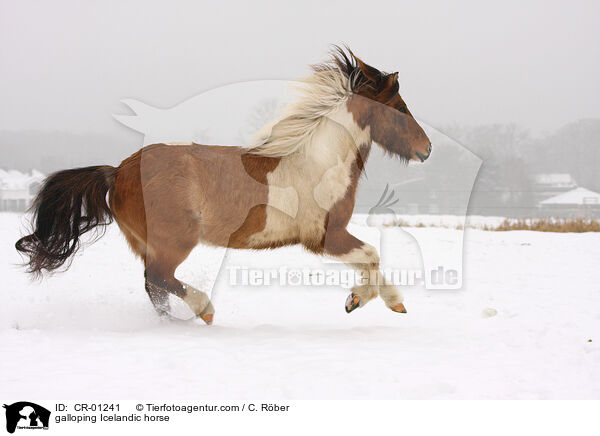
[511, 159]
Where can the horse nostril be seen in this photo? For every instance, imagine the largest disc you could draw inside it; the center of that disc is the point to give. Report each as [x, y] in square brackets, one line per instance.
[421, 156]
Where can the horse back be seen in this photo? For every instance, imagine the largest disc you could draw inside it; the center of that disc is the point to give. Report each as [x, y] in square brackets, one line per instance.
[219, 194]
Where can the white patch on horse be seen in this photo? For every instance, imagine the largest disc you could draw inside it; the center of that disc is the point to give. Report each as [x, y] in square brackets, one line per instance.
[197, 300]
[365, 260]
[364, 255]
[320, 172]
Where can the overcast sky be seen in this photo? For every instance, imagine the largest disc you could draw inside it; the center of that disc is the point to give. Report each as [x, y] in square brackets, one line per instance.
[65, 65]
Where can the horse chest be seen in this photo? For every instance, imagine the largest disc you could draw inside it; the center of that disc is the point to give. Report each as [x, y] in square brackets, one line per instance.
[300, 211]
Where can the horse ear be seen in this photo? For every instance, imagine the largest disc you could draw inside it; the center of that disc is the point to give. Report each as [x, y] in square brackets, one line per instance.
[392, 78]
[390, 81]
[370, 72]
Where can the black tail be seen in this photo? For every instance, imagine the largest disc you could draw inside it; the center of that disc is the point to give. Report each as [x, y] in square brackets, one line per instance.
[69, 204]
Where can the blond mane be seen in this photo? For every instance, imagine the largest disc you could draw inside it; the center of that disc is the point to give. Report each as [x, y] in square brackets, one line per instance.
[320, 95]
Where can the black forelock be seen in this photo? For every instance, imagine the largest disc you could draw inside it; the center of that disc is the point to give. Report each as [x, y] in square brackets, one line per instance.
[345, 61]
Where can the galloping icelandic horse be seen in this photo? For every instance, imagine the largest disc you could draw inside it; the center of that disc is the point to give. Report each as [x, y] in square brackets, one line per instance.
[305, 170]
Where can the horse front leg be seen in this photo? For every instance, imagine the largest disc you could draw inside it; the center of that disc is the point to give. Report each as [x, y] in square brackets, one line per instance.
[363, 257]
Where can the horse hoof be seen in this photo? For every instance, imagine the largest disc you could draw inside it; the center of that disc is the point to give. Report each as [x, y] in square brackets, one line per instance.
[399, 308]
[352, 302]
[208, 318]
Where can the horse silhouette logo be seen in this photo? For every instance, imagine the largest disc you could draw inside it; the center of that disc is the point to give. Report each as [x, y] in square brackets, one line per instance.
[26, 415]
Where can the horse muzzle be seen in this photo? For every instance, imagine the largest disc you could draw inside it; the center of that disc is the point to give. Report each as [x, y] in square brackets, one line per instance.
[423, 157]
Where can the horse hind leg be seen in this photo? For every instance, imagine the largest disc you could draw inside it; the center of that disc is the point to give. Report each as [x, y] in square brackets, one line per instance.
[160, 281]
[158, 290]
[199, 302]
[160, 286]
[161, 256]
[157, 294]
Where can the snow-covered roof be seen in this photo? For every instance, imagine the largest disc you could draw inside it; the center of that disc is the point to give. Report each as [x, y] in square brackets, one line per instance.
[555, 179]
[14, 179]
[577, 196]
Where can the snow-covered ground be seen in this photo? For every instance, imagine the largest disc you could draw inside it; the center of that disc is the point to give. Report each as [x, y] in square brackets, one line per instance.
[92, 333]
